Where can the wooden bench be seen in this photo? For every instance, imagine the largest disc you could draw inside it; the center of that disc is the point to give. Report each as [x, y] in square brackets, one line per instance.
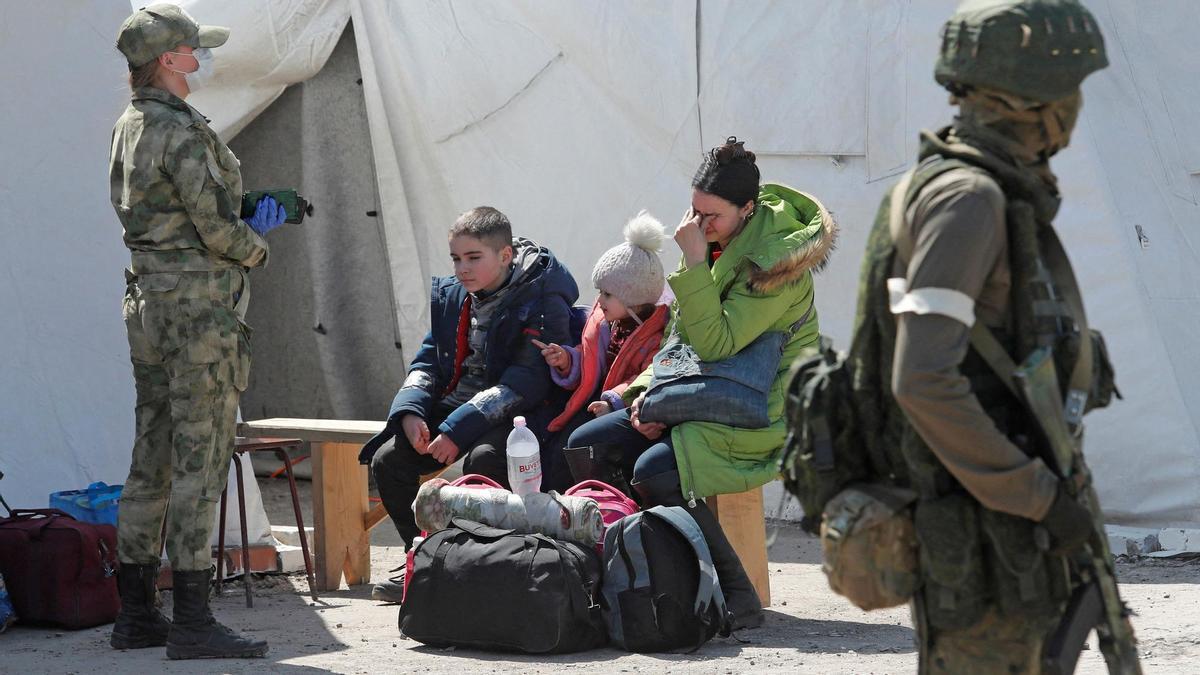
[343, 517]
[341, 510]
[741, 516]
[342, 514]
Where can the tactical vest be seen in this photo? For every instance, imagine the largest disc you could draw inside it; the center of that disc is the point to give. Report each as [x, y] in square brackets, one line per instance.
[971, 557]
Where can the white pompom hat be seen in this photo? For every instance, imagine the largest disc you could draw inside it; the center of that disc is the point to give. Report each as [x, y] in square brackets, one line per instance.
[632, 271]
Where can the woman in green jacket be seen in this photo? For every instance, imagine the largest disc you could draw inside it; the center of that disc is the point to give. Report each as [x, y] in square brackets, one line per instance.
[748, 256]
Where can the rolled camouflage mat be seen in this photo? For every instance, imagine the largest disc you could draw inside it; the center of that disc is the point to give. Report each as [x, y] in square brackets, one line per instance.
[574, 519]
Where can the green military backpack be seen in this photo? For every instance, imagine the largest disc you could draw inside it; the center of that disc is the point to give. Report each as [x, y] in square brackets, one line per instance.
[823, 452]
[868, 542]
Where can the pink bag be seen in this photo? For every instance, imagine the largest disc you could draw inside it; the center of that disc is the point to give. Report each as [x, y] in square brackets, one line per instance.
[475, 480]
[471, 480]
[614, 504]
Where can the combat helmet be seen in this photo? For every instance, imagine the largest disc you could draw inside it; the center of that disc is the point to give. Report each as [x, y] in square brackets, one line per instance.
[1039, 50]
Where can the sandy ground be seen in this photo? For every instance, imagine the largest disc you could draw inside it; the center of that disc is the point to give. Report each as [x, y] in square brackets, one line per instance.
[808, 629]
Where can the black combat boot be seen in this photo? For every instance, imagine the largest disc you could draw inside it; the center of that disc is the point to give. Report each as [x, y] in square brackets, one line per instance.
[602, 462]
[195, 634]
[740, 597]
[139, 624]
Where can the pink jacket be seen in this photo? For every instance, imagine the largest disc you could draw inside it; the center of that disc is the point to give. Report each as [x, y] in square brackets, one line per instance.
[587, 362]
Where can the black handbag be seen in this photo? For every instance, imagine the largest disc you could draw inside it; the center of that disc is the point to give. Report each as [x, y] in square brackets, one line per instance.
[482, 587]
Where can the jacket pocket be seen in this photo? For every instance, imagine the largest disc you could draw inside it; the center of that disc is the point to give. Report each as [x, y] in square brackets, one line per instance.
[241, 366]
[158, 282]
[952, 567]
[203, 327]
[1025, 580]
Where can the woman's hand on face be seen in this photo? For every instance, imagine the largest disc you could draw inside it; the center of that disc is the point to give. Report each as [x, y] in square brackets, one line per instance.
[690, 238]
[651, 430]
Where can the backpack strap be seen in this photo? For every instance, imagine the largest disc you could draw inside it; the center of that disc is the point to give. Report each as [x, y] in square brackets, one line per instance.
[630, 535]
[1080, 384]
[709, 591]
[982, 338]
[896, 204]
[479, 529]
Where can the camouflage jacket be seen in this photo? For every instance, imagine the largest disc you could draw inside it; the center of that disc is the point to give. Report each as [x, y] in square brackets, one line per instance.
[177, 190]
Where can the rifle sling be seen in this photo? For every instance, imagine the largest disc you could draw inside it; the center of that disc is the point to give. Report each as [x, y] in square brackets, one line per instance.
[985, 342]
[982, 338]
[1080, 384]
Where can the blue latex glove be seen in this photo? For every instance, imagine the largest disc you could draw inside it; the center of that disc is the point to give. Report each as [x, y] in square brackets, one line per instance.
[268, 215]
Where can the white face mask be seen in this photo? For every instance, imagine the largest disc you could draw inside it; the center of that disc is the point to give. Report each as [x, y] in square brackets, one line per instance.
[204, 67]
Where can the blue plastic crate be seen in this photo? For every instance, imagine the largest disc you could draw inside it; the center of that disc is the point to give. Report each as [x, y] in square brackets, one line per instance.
[97, 504]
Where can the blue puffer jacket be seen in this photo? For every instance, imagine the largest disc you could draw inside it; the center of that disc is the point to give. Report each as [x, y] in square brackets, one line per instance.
[518, 377]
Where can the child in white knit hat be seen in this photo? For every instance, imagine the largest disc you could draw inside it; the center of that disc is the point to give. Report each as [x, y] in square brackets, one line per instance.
[620, 339]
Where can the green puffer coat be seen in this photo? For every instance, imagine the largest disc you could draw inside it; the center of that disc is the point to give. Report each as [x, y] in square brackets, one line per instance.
[761, 282]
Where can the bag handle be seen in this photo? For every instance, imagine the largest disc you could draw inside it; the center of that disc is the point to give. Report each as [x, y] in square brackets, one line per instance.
[97, 487]
[592, 484]
[471, 479]
[479, 529]
[46, 516]
[49, 514]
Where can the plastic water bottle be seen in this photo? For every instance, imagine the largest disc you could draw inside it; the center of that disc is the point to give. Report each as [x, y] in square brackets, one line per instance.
[524, 459]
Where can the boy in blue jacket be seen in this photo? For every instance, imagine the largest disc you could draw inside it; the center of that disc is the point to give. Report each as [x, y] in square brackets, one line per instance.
[477, 367]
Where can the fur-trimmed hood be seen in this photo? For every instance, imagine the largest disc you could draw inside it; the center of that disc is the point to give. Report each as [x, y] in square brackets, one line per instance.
[790, 234]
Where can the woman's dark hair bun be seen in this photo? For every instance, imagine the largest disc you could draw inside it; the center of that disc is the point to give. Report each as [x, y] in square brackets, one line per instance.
[729, 172]
[732, 150]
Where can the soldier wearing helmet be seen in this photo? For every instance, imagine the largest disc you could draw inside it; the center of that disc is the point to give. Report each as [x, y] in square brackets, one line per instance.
[964, 238]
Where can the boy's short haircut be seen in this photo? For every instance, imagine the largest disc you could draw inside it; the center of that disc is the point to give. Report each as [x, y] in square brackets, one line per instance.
[486, 224]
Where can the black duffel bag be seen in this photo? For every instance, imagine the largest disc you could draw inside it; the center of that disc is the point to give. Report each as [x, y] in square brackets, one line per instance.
[478, 586]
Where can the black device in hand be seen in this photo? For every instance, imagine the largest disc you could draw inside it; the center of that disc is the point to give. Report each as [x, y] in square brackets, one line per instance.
[294, 205]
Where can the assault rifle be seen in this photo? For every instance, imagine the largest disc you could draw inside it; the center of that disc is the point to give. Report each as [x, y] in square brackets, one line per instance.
[1095, 601]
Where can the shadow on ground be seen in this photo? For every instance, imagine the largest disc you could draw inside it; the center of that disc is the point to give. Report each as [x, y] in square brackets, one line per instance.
[276, 617]
[781, 632]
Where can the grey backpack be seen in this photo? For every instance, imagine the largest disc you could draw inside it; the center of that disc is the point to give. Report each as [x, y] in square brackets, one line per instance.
[660, 589]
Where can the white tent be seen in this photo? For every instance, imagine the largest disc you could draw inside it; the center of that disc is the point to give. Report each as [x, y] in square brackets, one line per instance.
[570, 117]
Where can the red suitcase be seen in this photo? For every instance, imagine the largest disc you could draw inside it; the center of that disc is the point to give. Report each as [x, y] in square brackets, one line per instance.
[59, 570]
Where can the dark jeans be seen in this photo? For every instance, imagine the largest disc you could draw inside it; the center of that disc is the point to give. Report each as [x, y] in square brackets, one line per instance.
[643, 457]
[398, 469]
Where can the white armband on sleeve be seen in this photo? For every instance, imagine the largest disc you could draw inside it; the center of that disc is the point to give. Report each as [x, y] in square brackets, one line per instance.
[945, 301]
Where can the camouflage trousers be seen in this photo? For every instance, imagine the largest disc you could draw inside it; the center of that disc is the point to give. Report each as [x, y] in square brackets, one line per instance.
[994, 645]
[191, 358]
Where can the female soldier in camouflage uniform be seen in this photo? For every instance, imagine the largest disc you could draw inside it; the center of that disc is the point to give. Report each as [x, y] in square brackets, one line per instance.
[177, 190]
